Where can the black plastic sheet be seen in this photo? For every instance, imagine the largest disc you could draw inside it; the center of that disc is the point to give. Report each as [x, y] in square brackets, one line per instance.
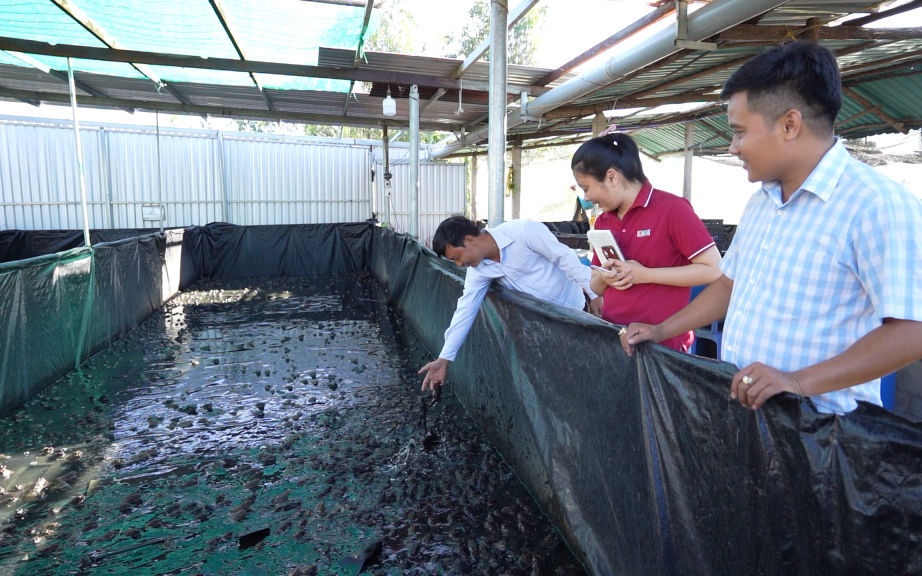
[646, 465]
[59, 309]
[23, 244]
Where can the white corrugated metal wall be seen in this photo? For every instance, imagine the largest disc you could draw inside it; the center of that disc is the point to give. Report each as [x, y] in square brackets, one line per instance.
[442, 191]
[207, 177]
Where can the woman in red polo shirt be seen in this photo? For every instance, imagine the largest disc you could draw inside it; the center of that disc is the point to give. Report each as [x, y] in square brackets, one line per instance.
[667, 248]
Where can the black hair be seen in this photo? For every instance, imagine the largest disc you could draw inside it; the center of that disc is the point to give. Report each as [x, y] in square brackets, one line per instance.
[799, 76]
[618, 151]
[451, 232]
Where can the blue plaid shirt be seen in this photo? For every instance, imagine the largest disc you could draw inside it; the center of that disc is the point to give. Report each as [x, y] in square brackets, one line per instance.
[815, 274]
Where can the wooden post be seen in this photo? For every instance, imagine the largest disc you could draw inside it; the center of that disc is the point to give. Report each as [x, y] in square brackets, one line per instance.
[813, 34]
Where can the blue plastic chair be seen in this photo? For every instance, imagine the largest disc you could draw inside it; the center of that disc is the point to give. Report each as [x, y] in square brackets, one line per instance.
[712, 333]
[888, 391]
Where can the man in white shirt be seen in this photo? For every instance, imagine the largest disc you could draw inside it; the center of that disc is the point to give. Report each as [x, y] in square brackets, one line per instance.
[523, 255]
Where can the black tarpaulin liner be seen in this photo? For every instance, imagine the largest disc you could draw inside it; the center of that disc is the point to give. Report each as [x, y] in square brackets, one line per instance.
[57, 310]
[644, 463]
[23, 244]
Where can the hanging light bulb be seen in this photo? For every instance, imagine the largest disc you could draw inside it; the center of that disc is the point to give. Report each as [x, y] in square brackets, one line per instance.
[389, 104]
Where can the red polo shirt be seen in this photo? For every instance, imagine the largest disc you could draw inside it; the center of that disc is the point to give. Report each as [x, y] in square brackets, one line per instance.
[660, 230]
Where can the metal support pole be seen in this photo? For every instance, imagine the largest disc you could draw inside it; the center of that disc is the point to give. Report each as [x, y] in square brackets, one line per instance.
[159, 173]
[474, 163]
[413, 228]
[497, 122]
[387, 179]
[517, 180]
[375, 209]
[221, 157]
[107, 163]
[689, 156]
[81, 177]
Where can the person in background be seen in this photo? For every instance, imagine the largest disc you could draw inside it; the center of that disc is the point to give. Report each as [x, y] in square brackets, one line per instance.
[523, 255]
[822, 285]
[666, 244]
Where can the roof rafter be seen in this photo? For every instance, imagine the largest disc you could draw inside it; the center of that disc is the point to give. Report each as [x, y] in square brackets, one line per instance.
[865, 103]
[218, 8]
[774, 32]
[885, 14]
[302, 117]
[93, 28]
[180, 60]
[62, 76]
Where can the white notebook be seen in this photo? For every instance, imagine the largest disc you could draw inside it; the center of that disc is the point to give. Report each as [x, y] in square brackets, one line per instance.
[604, 245]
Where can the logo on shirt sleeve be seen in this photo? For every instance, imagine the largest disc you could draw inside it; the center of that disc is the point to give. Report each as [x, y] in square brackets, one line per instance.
[643, 233]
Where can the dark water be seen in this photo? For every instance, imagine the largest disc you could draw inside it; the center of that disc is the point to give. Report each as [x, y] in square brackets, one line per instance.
[288, 404]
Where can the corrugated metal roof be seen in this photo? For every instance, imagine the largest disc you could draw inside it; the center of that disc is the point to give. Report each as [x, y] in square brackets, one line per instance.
[192, 28]
[439, 67]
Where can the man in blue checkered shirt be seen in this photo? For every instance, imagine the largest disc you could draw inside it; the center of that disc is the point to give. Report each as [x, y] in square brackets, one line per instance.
[822, 286]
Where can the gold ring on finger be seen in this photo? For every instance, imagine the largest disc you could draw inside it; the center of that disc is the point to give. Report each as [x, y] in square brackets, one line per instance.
[747, 380]
[623, 331]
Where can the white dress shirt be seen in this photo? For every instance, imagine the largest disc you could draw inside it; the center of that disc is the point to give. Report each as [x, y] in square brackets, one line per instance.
[532, 261]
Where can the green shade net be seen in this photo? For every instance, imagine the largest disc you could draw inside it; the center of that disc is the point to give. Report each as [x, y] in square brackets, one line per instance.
[286, 31]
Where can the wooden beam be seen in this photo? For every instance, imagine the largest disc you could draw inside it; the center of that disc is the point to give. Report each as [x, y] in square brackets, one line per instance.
[873, 64]
[159, 59]
[878, 127]
[879, 73]
[717, 129]
[885, 14]
[854, 117]
[219, 11]
[653, 17]
[888, 76]
[861, 100]
[812, 34]
[78, 15]
[62, 76]
[862, 47]
[688, 78]
[749, 32]
[355, 3]
[304, 118]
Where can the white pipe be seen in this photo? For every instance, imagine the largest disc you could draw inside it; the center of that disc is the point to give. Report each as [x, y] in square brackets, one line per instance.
[497, 124]
[712, 19]
[81, 177]
[159, 173]
[414, 162]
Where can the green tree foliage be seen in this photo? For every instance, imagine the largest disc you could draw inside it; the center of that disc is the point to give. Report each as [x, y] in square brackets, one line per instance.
[524, 38]
[396, 27]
